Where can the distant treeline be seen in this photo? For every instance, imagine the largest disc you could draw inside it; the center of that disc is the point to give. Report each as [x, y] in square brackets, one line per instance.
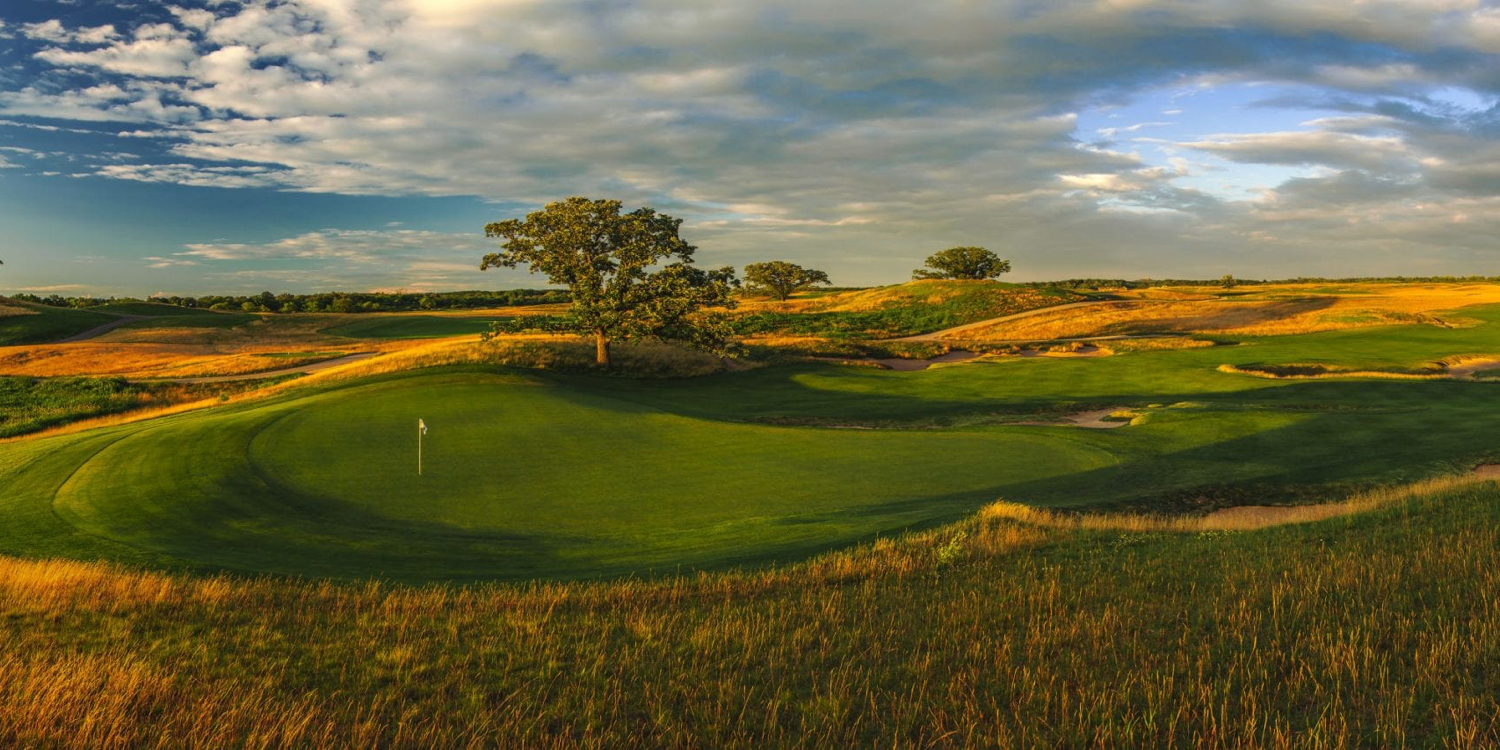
[335, 302]
[1143, 283]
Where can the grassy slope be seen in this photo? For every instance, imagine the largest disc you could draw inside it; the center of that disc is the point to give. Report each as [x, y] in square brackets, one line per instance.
[147, 309]
[903, 309]
[47, 324]
[1375, 630]
[570, 476]
[412, 327]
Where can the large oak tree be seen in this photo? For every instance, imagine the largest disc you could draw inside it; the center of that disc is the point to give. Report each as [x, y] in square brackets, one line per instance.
[781, 279]
[630, 275]
[963, 263]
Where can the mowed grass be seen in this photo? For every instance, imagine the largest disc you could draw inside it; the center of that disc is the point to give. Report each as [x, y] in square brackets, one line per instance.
[524, 478]
[23, 323]
[413, 326]
[555, 476]
[1378, 630]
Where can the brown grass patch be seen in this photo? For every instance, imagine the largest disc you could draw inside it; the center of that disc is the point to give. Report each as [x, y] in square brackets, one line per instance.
[1268, 311]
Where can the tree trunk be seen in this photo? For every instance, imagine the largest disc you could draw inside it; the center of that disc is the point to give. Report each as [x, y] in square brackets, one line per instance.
[601, 349]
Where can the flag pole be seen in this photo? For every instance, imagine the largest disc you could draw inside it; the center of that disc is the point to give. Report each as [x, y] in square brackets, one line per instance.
[419, 447]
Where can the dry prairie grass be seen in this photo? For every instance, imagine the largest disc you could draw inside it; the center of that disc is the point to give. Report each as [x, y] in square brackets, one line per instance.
[1268, 311]
[1016, 628]
[1243, 518]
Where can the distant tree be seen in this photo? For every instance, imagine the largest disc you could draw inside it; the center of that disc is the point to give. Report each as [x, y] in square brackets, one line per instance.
[1228, 281]
[781, 279]
[963, 263]
[610, 262]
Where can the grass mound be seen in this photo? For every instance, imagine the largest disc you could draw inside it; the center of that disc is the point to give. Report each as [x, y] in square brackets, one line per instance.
[25, 323]
[900, 310]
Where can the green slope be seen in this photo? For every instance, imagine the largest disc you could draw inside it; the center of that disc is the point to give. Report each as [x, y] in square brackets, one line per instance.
[570, 476]
[43, 323]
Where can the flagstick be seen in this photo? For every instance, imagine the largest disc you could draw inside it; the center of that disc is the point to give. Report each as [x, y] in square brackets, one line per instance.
[419, 448]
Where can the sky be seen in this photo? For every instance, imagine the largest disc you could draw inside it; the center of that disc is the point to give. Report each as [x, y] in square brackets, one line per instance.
[314, 145]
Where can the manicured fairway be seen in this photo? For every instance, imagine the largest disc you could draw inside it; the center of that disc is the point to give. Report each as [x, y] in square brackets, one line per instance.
[413, 327]
[545, 476]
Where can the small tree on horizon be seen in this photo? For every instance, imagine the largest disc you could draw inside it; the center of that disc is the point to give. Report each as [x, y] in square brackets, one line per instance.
[610, 263]
[781, 279]
[1228, 281]
[967, 262]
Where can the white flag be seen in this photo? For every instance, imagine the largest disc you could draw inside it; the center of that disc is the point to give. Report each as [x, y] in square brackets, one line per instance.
[421, 425]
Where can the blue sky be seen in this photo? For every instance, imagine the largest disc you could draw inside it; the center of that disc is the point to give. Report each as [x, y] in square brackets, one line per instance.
[300, 145]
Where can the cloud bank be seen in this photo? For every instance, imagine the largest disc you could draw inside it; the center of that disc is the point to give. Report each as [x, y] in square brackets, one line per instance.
[858, 136]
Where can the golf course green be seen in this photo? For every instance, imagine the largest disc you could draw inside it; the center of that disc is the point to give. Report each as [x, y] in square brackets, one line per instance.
[538, 475]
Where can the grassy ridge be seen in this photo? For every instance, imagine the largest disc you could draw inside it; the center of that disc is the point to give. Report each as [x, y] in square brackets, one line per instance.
[904, 309]
[35, 324]
[1380, 629]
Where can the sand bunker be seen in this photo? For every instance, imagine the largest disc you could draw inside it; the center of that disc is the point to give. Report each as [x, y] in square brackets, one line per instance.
[1487, 471]
[910, 365]
[1467, 368]
[1093, 419]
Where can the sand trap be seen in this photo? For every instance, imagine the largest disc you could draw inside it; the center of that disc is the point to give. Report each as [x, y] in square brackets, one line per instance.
[1093, 420]
[1082, 351]
[911, 365]
[1487, 471]
[1467, 368]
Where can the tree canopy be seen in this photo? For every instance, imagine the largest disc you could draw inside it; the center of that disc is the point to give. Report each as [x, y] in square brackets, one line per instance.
[613, 266]
[781, 279]
[963, 263]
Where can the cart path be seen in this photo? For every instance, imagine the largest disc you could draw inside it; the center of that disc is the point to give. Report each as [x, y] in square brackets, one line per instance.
[106, 328]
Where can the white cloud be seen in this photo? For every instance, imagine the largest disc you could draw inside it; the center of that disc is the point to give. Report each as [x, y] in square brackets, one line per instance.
[873, 129]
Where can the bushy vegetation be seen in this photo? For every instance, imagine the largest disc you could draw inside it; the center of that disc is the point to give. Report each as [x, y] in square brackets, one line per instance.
[1008, 629]
[31, 404]
[331, 302]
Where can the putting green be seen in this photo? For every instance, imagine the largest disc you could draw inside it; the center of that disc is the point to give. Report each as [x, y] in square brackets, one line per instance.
[521, 479]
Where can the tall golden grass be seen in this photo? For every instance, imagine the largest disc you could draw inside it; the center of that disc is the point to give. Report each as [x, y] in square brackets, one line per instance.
[1267, 311]
[1014, 628]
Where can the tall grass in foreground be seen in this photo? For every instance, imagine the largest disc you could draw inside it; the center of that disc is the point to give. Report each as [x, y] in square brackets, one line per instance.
[1009, 629]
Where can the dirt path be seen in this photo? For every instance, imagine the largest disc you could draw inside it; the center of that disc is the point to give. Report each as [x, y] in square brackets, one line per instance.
[300, 370]
[971, 326]
[101, 330]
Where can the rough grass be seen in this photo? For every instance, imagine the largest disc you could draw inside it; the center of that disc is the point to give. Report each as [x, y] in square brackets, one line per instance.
[1379, 629]
[1265, 311]
[900, 310]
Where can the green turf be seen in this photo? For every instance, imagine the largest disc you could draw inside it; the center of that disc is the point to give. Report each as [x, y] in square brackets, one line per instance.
[147, 309]
[553, 476]
[412, 327]
[196, 319]
[48, 324]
